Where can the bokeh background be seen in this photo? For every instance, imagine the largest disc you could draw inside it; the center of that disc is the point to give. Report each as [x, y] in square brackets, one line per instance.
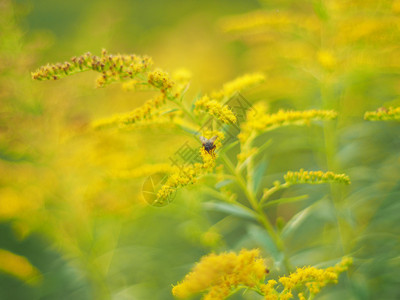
[69, 230]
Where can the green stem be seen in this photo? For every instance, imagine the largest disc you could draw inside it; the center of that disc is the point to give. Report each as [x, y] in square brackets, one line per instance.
[262, 218]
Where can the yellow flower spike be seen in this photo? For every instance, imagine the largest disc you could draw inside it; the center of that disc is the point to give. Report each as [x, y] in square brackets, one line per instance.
[219, 274]
[262, 122]
[315, 177]
[113, 67]
[214, 108]
[185, 175]
[238, 84]
[383, 114]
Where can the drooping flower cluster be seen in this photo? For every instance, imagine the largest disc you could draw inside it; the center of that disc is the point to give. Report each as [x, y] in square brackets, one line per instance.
[383, 114]
[315, 177]
[112, 67]
[258, 122]
[216, 109]
[219, 274]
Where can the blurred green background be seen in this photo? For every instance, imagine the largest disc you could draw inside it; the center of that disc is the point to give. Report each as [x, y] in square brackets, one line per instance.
[90, 236]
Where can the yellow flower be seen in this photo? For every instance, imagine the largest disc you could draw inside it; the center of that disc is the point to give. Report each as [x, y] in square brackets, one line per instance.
[315, 177]
[220, 273]
[214, 108]
[383, 114]
[238, 84]
[260, 121]
[269, 291]
[160, 80]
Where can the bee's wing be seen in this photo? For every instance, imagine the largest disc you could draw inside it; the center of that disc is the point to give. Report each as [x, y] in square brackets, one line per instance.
[212, 140]
[203, 139]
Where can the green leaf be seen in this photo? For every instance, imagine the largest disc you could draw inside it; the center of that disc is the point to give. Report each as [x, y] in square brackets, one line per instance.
[223, 183]
[258, 174]
[229, 209]
[285, 200]
[264, 240]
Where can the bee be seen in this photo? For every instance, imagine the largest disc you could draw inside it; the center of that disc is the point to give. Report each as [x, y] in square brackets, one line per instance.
[208, 144]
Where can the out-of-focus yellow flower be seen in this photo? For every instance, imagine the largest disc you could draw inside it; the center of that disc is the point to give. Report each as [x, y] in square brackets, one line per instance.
[216, 109]
[383, 114]
[142, 171]
[261, 122]
[149, 111]
[18, 266]
[315, 177]
[257, 21]
[238, 84]
[218, 274]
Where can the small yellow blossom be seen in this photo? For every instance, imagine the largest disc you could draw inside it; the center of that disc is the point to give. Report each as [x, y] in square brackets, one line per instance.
[383, 114]
[260, 121]
[218, 274]
[160, 79]
[214, 108]
[238, 84]
[315, 177]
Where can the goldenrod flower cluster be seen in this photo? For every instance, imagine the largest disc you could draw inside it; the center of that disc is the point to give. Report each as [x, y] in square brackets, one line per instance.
[238, 84]
[312, 278]
[185, 175]
[383, 114]
[260, 122]
[148, 111]
[216, 109]
[113, 67]
[219, 274]
[315, 177]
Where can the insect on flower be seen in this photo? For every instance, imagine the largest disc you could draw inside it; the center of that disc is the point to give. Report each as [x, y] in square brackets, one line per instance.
[208, 144]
